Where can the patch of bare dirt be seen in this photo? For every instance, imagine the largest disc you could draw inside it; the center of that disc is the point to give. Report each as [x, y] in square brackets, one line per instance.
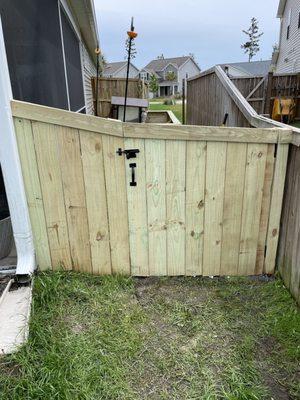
[10, 369]
[148, 290]
[272, 378]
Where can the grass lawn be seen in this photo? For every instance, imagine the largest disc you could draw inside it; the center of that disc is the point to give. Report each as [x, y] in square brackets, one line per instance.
[296, 124]
[177, 109]
[95, 338]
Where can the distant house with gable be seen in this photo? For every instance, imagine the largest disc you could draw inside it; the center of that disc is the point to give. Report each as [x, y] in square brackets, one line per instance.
[119, 70]
[169, 73]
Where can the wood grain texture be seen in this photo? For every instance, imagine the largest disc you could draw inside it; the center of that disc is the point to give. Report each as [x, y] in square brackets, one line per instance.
[265, 210]
[202, 204]
[253, 192]
[65, 118]
[283, 260]
[74, 195]
[114, 167]
[137, 210]
[275, 208]
[175, 202]
[33, 192]
[213, 214]
[95, 192]
[233, 205]
[209, 133]
[155, 151]
[195, 188]
[46, 147]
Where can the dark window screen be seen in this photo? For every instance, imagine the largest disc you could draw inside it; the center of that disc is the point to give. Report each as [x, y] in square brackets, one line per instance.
[34, 51]
[73, 64]
[4, 212]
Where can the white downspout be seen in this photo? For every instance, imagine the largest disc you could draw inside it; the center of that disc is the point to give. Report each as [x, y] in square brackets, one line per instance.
[12, 173]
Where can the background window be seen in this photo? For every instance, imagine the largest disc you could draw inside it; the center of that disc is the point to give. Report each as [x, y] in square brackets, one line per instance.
[289, 24]
[73, 64]
[34, 51]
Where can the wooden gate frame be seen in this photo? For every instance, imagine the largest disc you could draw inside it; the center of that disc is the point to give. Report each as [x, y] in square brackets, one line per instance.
[61, 153]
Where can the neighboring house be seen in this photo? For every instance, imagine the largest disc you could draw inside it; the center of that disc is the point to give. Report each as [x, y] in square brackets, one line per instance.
[50, 48]
[119, 70]
[287, 57]
[247, 69]
[170, 72]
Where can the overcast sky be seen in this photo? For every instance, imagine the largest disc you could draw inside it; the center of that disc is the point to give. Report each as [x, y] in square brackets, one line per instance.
[210, 29]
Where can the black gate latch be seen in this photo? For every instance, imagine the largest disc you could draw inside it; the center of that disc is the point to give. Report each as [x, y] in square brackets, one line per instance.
[133, 182]
[131, 153]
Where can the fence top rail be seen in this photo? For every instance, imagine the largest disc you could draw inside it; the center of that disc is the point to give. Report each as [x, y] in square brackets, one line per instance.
[173, 131]
[206, 133]
[70, 119]
[209, 71]
[103, 79]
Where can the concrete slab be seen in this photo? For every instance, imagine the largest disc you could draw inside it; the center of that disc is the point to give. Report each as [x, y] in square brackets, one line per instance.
[14, 318]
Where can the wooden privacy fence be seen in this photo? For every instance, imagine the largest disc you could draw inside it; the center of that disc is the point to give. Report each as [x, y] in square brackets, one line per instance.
[260, 91]
[202, 108]
[207, 200]
[108, 87]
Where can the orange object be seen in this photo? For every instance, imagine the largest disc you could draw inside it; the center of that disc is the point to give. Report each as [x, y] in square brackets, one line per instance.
[283, 109]
[132, 34]
[97, 50]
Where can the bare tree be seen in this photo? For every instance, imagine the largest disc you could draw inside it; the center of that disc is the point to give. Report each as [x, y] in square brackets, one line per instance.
[252, 45]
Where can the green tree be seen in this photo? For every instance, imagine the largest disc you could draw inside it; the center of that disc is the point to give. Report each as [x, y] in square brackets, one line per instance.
[153, 84]
[251, 46]
[171, 76]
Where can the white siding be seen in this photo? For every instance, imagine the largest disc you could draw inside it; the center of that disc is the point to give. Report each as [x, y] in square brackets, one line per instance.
[89, 70]
[133, 72]
[188, 68]
[289, 49]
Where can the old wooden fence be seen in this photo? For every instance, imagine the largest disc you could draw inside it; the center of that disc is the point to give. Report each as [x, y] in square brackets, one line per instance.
[207, 200]
[260, 91]
[210, 97]
[108, 87]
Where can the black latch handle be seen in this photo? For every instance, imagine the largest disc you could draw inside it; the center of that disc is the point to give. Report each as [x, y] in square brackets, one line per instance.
[133, 166]
[131, 153]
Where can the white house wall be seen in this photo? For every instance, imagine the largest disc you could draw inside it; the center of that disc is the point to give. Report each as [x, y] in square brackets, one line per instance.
[188, 68]
[133, 72]
[289, 51]
[89, 70]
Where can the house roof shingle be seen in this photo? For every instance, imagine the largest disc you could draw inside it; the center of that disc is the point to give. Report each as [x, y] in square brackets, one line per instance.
[111, 68]
[253, 68]
[160, 63]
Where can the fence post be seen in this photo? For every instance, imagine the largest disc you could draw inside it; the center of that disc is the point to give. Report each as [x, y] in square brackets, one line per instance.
[183, 101]
[268, 93]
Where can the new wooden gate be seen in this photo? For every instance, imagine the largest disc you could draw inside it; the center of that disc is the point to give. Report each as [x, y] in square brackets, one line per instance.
[207, 200]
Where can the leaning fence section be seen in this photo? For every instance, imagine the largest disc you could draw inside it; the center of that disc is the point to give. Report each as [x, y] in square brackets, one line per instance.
[142, 199]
